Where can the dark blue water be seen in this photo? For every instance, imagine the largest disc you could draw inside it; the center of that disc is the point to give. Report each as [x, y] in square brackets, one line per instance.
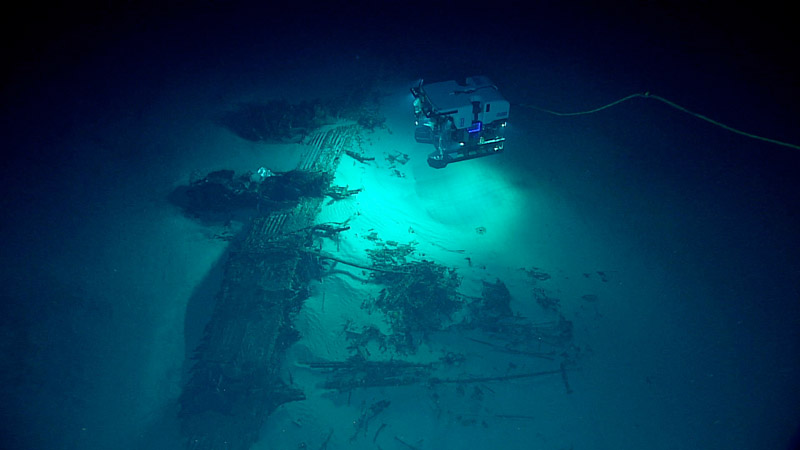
[96, 102]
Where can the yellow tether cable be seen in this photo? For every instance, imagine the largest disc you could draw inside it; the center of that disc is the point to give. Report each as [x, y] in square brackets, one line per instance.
[674, 105]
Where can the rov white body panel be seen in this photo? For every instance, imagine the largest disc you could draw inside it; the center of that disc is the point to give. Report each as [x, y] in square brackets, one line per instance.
[463, 120]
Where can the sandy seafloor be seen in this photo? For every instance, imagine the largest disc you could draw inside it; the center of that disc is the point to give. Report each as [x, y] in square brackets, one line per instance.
[685, 233]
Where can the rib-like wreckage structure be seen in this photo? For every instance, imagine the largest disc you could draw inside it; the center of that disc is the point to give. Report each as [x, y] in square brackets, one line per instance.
[234, 383]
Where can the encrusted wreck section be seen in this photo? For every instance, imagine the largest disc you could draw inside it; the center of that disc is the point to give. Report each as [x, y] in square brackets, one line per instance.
[234, 383]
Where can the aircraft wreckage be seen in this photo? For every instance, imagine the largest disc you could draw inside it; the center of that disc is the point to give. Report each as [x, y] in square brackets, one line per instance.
[234, 382]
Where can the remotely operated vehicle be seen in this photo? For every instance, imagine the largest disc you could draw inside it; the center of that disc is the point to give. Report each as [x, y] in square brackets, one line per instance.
[463, 119]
